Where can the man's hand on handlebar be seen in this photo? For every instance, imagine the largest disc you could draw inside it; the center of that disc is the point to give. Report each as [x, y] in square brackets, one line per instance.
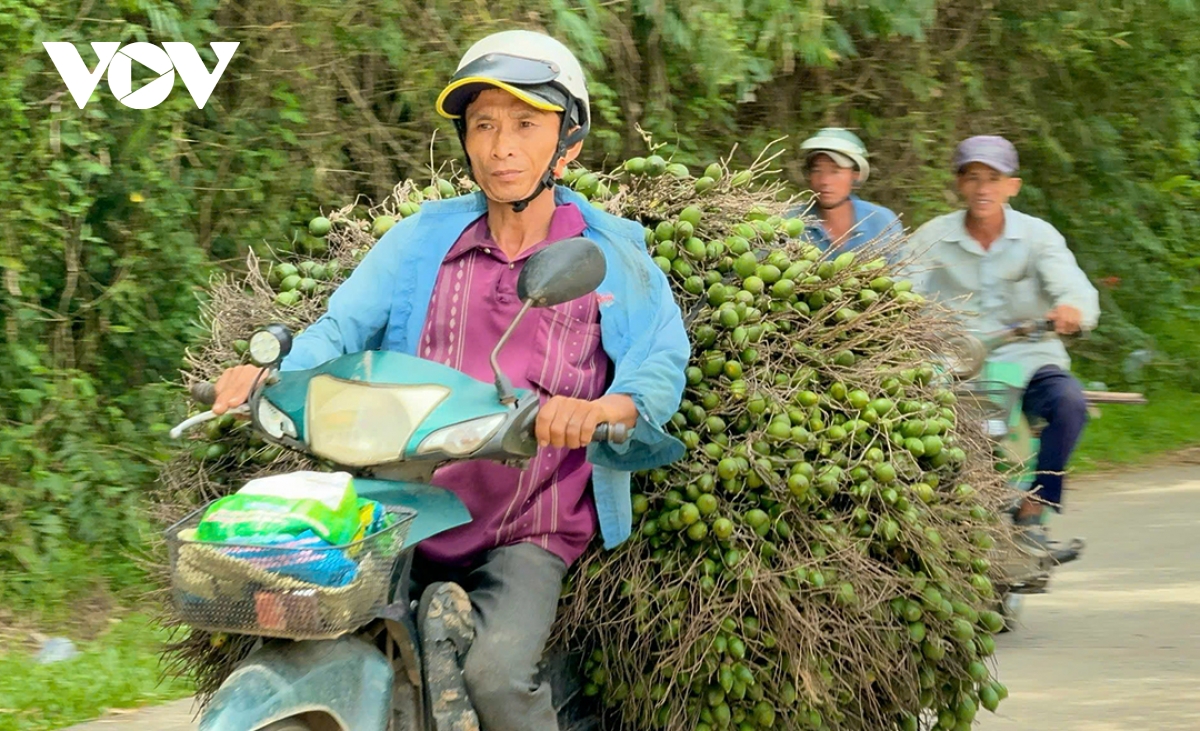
[233, 387]
[571, 423]
[1067, 319]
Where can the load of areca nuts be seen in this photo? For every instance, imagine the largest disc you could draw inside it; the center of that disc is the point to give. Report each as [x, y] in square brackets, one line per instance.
[819, 559]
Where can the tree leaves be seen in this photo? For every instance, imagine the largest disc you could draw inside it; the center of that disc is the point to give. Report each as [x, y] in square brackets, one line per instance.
[137, 207]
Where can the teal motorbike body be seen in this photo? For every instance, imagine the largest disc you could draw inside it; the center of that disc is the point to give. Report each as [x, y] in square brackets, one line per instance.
[348, 682]
[466, 398]
[1019, 442]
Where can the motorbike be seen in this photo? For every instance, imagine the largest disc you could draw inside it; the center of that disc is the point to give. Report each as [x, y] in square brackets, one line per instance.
[357, 658]
[993, 389]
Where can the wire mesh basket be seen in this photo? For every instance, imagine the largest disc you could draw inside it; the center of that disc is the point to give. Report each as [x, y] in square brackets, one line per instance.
[301, 592]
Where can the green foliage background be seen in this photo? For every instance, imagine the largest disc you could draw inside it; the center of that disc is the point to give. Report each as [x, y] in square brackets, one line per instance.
[114, 217]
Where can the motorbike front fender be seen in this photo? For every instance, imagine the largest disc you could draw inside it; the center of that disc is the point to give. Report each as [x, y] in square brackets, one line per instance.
[437, 508]
[347, 679]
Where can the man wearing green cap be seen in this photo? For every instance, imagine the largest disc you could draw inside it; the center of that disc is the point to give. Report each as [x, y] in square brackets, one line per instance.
[835, 161]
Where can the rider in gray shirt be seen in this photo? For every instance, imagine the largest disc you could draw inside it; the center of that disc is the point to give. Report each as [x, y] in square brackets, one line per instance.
[995, 266]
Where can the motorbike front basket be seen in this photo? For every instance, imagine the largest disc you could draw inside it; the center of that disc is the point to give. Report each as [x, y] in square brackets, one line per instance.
[298, 592]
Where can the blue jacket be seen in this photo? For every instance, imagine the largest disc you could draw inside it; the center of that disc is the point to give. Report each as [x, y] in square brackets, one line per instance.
[384, 303]
[872, 223]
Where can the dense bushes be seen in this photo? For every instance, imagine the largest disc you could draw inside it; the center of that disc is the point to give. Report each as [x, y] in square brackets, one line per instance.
[113, 216]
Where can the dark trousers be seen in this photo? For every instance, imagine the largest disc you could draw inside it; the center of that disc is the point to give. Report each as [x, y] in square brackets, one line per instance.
[1056, 397]
[514, 593]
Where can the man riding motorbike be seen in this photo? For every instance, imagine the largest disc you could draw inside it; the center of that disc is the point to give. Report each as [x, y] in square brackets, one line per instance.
[836, 164]
[442, 285]
[996, 265]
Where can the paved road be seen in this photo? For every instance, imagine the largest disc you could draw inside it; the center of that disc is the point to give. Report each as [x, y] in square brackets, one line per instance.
[175, 716]
[1115, 646]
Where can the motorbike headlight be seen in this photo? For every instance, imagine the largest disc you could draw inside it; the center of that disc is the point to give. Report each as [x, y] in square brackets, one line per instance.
[273, 421]
[359, 424]
[462, 439]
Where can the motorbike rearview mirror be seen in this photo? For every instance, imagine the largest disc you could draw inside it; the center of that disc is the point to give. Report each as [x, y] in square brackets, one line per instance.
[561, 272]
[965, 356]
[270, 345]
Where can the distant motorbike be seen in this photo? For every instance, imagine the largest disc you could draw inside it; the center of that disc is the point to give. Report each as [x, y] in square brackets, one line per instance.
[994, 389]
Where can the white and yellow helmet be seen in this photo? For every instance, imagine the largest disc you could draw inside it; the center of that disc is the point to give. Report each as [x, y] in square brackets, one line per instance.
[535, 68]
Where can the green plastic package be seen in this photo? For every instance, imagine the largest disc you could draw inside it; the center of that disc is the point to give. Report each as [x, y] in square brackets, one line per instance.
[286, 505]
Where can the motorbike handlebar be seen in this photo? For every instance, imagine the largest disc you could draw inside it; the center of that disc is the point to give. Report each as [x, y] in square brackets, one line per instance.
[203, 393]
[1031, 327]
[616, 433]
[1016, 331]
[206, 393]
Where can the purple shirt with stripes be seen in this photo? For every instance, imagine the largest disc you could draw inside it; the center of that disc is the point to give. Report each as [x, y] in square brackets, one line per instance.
[555, 351]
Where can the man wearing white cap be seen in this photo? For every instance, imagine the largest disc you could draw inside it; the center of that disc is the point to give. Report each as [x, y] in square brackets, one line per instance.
[996, 266]
[835, 161]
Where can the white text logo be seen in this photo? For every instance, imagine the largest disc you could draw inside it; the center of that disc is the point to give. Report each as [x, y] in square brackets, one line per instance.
[165, 61]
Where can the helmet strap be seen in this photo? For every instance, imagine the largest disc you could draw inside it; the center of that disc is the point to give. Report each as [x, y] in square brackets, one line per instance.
[545, 183]
[460, 126]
